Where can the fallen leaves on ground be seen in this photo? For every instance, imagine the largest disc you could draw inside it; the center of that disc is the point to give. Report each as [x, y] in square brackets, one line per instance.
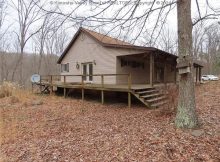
[61, 129]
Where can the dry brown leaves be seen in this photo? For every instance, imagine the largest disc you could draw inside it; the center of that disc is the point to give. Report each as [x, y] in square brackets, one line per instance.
[69, 130]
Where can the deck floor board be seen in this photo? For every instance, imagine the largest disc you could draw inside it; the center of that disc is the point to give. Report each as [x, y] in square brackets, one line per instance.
[111, 87]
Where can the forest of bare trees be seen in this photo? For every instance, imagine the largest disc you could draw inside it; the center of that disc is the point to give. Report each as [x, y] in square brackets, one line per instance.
[206, 47]
[33, 45]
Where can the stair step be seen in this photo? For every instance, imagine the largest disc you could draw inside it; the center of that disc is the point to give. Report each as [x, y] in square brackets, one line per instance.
[156, 99]
[142, 89]
[144, 92]
[159, 104]
[151, 95]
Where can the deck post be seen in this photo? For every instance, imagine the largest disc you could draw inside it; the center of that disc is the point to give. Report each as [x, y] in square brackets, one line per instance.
[102, 95]
[32, 87]
[151, 69]
[129, 90]
[196, 74]
[82, 88]
[40, 84]
[102, 91]
[51, 86]
[83, 94]
[64, 80]
[64, 92]
[175, 76]
[129, 99]
[129, 81]
[200, 74]
[64, 89]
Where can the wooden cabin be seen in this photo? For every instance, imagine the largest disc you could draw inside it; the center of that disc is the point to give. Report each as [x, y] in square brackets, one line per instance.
[96, 61]
[94, 53]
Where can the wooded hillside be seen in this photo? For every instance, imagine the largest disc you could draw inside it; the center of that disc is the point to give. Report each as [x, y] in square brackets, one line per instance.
[32, 64]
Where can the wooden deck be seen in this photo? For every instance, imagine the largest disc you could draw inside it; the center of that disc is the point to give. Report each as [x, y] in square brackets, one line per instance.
[49, 82]
[109, 87]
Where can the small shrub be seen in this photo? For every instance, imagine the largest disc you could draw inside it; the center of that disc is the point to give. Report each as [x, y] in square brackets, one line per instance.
[14, 99]
[37, 102]
[13, 90]
[172, 93]
[6, 89]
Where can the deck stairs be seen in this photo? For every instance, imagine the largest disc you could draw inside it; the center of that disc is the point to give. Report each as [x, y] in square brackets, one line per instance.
[151, 97]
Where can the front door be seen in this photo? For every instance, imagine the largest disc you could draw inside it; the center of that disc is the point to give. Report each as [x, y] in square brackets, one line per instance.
[87, 72]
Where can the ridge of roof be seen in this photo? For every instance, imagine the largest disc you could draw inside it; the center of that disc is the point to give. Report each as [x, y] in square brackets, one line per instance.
[105, 39]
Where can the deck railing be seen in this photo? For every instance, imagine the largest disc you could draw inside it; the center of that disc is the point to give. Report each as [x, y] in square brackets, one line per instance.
[54, 80]
[58, 78]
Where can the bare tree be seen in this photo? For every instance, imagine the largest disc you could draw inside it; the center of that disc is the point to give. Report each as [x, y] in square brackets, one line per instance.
[28, 14]
[3, 41]
[212, 45]
[41, 36]
[186, 115]
[168, 40]
[56, 41]
[50, 40]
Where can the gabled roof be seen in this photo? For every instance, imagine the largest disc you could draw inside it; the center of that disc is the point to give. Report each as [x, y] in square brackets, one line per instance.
[104, 38]
[107, 41]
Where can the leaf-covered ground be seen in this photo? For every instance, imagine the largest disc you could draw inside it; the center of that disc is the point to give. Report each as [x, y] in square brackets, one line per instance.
[68, 130]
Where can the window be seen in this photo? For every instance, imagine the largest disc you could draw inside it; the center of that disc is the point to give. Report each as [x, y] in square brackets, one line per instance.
[65, 67]
[133, 64]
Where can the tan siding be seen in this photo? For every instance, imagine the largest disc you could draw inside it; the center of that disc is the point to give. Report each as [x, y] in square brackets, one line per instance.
[86, 49]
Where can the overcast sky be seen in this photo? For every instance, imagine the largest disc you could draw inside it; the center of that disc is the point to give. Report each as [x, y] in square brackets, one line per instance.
[87, 9]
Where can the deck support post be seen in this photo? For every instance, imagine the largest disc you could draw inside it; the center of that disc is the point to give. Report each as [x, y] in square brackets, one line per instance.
[64, 89]
[129, 99]
[64, 79]
[40, 84]
[102, 91]
[102, 95]
[64, 92]
[129, 90]
[196, 74]
[51, 86]
[151, 69]
[175, 76]
[200, 74]
[32, 87]
[83, 92]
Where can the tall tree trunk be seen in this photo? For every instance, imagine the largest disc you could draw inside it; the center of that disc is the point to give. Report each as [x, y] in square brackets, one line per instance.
[186, 114]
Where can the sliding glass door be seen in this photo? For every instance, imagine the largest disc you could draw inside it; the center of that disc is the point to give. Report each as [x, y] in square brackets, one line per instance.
[87, 71]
